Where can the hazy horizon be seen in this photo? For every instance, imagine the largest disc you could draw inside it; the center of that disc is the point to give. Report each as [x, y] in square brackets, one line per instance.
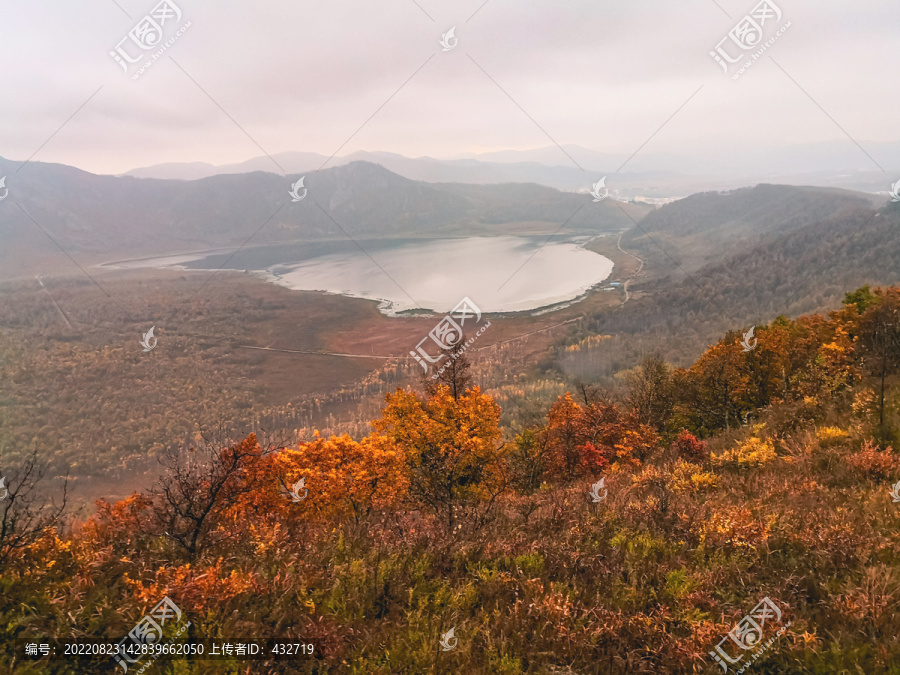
[354, 77]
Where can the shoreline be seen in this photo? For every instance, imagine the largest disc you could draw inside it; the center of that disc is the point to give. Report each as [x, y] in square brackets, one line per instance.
[387, 307]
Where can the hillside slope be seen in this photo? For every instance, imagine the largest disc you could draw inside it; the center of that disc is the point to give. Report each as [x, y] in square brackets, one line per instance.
[800, 269]
[106, 215]
[604, 538]
[700, 229]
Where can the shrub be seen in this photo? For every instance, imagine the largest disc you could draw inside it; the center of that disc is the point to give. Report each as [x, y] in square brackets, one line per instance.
[687, 477]
[531, 564]
[690, 448]
[754, 451]
[735, 527]
[829, 436]
[873, 463]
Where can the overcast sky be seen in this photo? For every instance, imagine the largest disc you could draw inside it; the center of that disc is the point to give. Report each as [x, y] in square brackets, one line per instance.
[306, 76]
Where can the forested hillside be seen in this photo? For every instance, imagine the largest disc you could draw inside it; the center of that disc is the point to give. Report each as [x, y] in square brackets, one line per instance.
[691, 233]
[802, 270]
[95, 216]
[75, 381]
[607, 537]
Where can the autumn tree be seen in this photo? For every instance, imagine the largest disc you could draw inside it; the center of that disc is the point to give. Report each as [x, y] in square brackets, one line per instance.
[126, 526]
[820, 355]
[650, 392]
[713, 391]
[342, 476]
[879, 342]
[26, 510]
[451, 372]
[767, 366]
[582, 440]
[566, 436]
[198, 487]
[452, 450]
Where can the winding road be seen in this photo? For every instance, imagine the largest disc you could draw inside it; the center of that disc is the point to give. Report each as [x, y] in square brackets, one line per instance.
[633, 276]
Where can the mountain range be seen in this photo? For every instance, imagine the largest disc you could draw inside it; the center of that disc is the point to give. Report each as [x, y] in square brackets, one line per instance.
[52, 207]
[778, 233]
[574, 168]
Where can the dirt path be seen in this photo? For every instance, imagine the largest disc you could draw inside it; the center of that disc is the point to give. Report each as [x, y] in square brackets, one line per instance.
[633, 276]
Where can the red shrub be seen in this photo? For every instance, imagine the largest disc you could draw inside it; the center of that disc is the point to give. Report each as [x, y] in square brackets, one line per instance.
[690, 448]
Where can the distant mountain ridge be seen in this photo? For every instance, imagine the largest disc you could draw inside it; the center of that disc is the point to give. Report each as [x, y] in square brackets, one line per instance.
[574, 168]
[126, 216]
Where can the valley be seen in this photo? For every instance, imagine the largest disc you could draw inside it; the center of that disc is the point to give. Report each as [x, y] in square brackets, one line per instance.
[292, 362]
[449, 338]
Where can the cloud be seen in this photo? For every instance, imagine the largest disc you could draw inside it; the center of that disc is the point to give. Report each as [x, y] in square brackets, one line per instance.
[309, 76]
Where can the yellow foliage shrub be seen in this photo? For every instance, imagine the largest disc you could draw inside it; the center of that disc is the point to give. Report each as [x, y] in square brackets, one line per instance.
[752, 452]
[650, 476]
[829, 436]
[687, 477]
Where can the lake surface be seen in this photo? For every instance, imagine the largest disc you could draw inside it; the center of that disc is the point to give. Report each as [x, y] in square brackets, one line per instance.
[499, 274]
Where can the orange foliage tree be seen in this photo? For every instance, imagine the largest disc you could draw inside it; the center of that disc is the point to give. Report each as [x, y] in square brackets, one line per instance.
[582, 440]
[343, 476]
[454, 460]
[713, 391]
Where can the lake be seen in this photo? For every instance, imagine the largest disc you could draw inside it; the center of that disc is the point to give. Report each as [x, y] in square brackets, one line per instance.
[499, 274]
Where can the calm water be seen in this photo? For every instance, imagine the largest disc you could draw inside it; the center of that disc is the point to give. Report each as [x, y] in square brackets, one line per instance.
[499, 274]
